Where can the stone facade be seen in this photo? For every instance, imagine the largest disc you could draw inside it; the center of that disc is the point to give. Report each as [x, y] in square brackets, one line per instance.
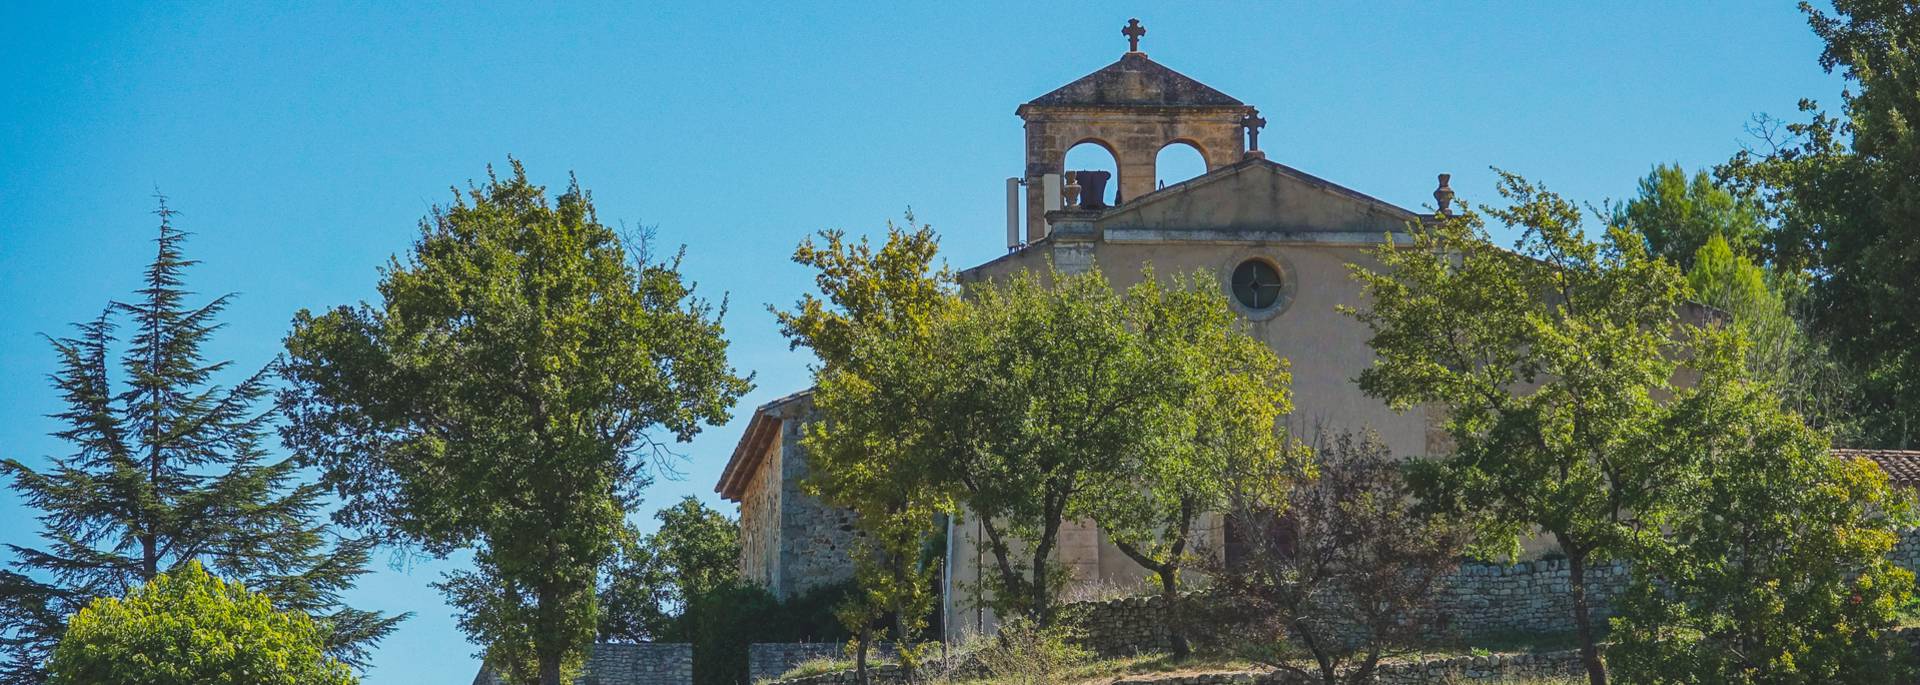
[653, 663]
[815, 540]
[790, 542]
[760, 512]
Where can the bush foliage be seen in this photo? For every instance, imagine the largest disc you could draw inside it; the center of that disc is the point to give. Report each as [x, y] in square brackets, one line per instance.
[190, 628]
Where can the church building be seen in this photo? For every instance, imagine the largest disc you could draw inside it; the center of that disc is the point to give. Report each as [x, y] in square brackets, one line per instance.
[1278, 239]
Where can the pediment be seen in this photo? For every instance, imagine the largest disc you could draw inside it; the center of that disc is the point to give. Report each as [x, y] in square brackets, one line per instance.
[1256, 200]
[1135, 81]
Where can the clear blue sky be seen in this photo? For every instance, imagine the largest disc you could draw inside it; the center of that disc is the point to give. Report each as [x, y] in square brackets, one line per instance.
[303, 141]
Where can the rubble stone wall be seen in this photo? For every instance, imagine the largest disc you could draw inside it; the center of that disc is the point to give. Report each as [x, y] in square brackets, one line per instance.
[815, 539]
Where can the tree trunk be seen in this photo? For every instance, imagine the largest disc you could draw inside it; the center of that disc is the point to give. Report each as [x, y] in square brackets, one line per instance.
[546, 652]
[902, 577]
[1039, 601]
[1328, 665]
[1002, 556]
[1176, 621]
[860, 656]
[1582, 621]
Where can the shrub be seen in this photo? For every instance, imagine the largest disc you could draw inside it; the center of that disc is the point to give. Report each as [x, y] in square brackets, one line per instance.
[1025, 653]
[723, 621]
[190, 628]
[1343, 568]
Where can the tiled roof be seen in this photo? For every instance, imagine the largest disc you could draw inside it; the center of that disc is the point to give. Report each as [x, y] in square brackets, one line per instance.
[1902, 466]
[752, 448]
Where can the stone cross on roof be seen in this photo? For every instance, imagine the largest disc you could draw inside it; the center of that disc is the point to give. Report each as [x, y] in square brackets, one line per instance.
[1253, 123]
[1133, 32]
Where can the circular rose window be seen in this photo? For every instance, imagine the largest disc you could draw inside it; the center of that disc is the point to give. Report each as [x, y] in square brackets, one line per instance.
[1257, 285]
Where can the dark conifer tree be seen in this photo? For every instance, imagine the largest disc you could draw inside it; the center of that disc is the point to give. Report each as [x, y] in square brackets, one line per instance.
[168, 466]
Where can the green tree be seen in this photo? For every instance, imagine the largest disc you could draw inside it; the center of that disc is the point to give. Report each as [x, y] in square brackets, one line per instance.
[1550, 364]
[1013, 400]
[1678, 216]
[651, 582]
[1038, 392]
[1841, 195]
[723, 622]
[1341, 565]
[170, 467]
[186, 627]
[682, 583]
[1773, 566]
[522, 369]
[1231, 394]
[1780, 353]
[869, 326]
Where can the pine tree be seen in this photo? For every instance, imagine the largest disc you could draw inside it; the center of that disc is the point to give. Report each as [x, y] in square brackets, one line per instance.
[168, 467]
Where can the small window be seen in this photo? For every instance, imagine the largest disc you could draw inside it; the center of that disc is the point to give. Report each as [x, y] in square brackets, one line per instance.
[1257, 284]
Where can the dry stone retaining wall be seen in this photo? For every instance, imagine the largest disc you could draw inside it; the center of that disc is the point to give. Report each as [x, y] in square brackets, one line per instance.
[1529, 597]
[1906, 552]
[1478, 600]
[651, 663]
[1121, 626]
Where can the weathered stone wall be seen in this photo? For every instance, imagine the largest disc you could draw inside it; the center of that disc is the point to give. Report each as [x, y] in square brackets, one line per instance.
[1906, 553]
[1478, 600]
[1120, 626]
[653, 663]
[1529, 597]
[760, 524]
[641, 664]
[815, 539]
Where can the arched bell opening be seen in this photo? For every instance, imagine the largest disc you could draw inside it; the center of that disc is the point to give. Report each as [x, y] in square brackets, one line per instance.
[1097, 173]
[1178, 161]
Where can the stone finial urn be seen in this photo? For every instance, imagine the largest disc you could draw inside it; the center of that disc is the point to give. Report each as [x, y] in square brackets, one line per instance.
[1443, 195]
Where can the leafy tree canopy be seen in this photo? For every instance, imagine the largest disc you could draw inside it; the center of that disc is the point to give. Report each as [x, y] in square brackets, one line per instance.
[169, 467]
[1678, 215]
[1228, 396]
[1840, 193]
[1550, 362]
[1779, 352]
[522, 370]
[186, 627]
[655, 577]
[1773, 566]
